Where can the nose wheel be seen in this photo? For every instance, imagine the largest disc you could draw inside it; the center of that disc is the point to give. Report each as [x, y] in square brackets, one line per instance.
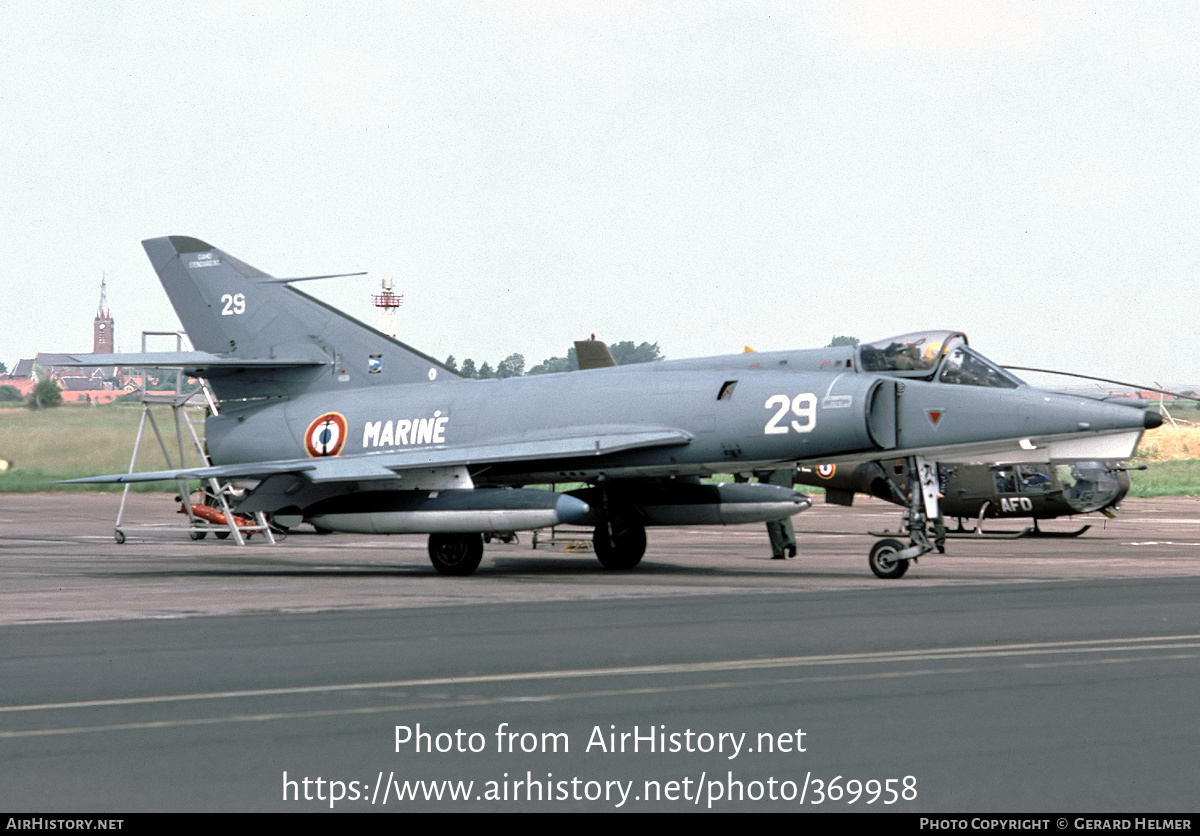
[884, 561]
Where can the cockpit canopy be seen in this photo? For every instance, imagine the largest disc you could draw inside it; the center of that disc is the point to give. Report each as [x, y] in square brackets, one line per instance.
[927, 355]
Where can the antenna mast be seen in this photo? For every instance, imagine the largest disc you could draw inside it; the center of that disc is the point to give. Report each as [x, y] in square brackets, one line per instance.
[388, 303]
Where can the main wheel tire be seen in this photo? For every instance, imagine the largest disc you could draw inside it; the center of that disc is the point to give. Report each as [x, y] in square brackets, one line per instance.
[883, 559]
[455, 554]
[619, 545]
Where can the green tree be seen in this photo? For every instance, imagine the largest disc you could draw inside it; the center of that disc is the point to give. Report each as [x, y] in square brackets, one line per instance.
[451, 363]
[511, 366]
[164, 382]
[46, 393]
[626, 353]
[552, 365]
[10, 394]
[839, 341]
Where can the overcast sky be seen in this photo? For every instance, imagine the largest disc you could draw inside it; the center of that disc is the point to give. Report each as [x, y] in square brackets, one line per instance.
[705, 176]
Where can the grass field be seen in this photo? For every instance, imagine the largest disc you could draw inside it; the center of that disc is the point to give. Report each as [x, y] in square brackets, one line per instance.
[1167, 478]
[73, 441]
[1168, 443]
[1171, 456]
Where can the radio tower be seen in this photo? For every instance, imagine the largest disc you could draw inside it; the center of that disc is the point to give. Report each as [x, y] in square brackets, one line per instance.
[388, 303]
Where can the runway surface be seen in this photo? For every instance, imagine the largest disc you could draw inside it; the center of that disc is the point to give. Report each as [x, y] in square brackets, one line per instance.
[1008, 676]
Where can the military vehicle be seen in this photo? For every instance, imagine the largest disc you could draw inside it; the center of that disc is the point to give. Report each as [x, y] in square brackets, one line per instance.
[974, 493]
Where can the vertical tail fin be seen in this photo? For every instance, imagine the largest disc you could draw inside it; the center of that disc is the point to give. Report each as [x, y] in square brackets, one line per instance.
[236, 311]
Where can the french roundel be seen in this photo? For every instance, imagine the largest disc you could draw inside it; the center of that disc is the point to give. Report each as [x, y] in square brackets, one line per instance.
[326, 435]
[826, 471]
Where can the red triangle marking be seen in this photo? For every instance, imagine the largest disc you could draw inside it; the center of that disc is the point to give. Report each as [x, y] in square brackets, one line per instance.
[935, 415]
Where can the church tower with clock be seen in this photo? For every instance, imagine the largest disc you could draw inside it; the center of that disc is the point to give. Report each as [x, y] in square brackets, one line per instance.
[102, 326]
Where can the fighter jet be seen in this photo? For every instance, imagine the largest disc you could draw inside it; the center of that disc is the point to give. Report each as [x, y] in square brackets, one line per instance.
[354, 431]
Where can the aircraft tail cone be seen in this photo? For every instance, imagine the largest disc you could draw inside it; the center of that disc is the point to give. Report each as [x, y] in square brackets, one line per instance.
[1152, 419]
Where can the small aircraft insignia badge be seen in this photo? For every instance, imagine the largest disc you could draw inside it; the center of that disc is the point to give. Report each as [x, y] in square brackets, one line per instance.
[326, 435]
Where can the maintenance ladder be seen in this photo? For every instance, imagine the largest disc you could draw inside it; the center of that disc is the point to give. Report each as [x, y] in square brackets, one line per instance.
[214, 493]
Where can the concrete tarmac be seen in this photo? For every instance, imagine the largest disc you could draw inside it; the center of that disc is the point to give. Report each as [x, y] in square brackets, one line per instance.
[339, 672]
[59, 561]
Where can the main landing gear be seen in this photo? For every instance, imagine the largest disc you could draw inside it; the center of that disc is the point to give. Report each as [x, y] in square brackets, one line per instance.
[620, 538]
[889, 558]
[619, 544]
[455, 554]
[619, 541]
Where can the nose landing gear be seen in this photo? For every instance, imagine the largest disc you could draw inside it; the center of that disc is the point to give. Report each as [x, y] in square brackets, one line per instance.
[889, 558]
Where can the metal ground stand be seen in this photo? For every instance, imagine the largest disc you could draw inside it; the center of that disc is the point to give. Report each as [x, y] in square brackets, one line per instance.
[571, 539]
[215, 494]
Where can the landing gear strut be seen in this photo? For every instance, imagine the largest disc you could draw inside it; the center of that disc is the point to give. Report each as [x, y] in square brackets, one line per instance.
[889, 558]
[455, 554]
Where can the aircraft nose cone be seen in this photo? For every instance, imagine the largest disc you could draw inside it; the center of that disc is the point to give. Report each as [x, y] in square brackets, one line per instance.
[1151, 420]
[571, 510]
